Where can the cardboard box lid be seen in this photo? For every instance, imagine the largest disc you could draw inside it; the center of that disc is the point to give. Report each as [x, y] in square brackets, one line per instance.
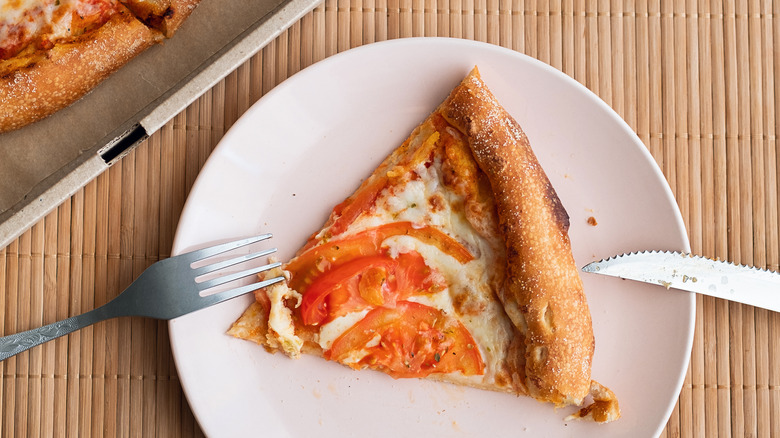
[46, 162]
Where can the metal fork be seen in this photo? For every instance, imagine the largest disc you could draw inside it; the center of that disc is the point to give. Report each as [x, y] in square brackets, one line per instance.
[166, 290]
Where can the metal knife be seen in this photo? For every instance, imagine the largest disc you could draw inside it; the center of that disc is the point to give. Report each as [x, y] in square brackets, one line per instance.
[744, 284]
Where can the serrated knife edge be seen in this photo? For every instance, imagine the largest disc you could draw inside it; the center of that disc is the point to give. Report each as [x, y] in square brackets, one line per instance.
[587, 268]
[749, 285]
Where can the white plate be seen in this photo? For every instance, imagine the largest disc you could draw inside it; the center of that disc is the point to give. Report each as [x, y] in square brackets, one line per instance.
[307, 145]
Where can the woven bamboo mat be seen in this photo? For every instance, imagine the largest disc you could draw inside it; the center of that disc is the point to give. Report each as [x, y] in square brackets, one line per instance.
[695, 80]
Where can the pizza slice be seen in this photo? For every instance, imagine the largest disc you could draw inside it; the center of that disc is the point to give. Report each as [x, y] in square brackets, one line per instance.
[452, 262]
[52, 52]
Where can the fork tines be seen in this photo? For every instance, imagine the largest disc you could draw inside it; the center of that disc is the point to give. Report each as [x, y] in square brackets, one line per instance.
[230, 277]
[205, 253]
[235, 292]
[234, 261]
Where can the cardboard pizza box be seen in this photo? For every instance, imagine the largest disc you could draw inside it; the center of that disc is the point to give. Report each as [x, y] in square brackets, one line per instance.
[43, 164]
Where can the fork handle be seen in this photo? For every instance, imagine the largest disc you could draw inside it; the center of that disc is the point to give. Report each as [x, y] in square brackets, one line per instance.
[12, 345]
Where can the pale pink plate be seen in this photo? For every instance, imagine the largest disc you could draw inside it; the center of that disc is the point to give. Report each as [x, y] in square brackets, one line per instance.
[308, 143]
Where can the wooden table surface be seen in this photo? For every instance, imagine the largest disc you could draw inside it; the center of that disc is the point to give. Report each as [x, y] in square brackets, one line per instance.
[695, 80]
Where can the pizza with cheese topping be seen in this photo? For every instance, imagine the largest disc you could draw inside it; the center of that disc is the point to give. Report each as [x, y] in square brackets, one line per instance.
[452, 262]
[52, 52]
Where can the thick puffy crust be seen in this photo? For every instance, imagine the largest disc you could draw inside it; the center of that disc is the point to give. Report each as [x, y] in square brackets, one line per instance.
[543, 292]
[41, 83]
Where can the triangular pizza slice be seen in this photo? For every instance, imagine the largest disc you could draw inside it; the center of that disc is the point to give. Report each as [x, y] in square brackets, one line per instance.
[452, 262]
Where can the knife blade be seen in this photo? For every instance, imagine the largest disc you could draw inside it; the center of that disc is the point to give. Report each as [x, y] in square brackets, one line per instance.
[744, 284]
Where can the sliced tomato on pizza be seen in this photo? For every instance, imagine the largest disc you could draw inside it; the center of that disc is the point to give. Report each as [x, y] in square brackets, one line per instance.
[451, 261]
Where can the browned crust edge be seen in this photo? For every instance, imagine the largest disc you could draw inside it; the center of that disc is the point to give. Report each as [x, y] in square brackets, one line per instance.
[174, 17]
[60, 76]
[543, 292]
[165, 16]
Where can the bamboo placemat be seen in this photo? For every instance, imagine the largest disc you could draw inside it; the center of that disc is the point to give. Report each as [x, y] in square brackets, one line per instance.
[695, 80]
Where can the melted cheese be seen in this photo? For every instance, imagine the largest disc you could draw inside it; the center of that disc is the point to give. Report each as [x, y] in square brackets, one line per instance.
[410, 202]
[332, 330]
[489, 328]
[335, 328]
[280, 323]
